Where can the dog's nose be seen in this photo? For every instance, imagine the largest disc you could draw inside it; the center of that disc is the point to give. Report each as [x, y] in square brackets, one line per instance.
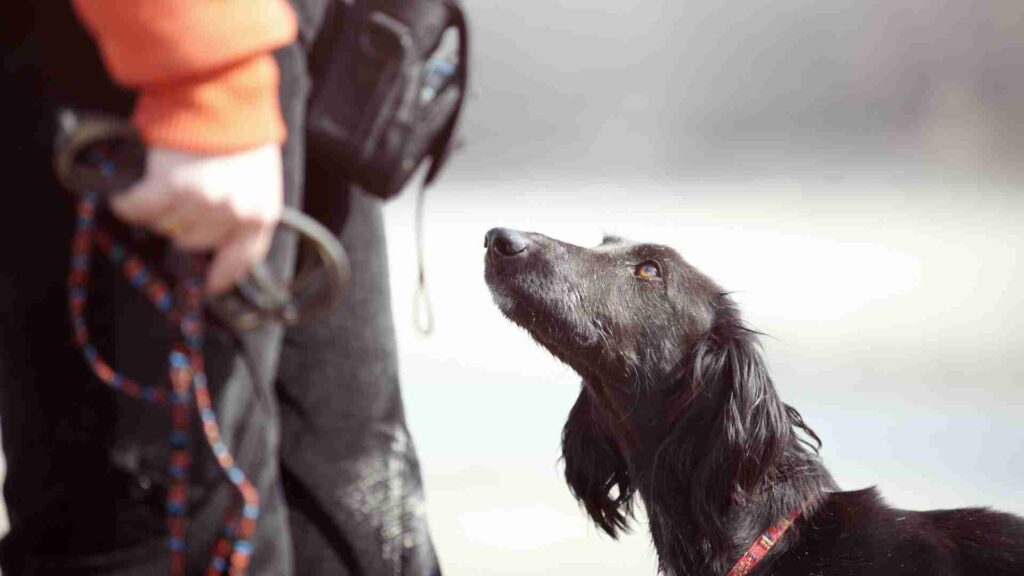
[505, 242]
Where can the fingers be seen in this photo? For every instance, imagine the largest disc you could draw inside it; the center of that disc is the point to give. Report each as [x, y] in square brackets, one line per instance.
[201, 227]
[228, 204]
[236, 258]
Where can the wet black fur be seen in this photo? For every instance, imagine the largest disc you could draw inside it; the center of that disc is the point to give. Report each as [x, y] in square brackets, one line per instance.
[677, 407]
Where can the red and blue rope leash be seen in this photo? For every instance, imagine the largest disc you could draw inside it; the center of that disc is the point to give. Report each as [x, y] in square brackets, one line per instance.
[187, 376]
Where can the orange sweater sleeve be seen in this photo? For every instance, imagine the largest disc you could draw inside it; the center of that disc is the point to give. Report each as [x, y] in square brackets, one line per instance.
[206, 77]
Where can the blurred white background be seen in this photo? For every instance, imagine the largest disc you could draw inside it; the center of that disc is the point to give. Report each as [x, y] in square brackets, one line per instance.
[852, 169]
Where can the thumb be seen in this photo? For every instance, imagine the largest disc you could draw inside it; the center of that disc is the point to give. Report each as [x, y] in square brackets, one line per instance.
[233, 260]
[143, 203]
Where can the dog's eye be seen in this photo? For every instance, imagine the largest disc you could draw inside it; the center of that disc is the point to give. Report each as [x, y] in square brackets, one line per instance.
[647, 270]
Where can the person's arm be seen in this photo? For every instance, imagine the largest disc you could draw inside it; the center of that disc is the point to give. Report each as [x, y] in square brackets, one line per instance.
[208, 109]
[206, 78]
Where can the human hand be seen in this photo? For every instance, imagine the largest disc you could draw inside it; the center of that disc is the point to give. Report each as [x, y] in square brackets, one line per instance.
[228, 204]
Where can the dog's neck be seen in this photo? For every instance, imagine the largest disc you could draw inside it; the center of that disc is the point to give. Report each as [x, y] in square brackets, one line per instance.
[698, 530]
[701, 520]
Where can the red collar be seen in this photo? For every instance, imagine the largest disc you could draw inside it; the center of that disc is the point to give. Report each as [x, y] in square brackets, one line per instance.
[759, 549]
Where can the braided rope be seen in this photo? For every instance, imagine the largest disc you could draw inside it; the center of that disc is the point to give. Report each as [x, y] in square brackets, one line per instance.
[188, 385]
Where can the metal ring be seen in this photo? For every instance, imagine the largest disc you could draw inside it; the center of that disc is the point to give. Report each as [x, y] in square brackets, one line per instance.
[97, 153]
[316, 288]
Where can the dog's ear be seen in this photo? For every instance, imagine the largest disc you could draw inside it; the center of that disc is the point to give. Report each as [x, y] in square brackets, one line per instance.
[728, 431]
[595, 468]
[754, 421]
[728, 407]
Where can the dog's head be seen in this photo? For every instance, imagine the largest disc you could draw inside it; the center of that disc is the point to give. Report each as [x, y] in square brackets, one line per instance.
[624, 311]
[677, 399]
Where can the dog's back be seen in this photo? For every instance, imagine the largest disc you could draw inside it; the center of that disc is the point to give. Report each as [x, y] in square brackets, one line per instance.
[858, 533]
[988, 542]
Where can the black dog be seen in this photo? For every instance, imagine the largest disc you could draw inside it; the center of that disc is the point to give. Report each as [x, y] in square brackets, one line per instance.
[677, 406]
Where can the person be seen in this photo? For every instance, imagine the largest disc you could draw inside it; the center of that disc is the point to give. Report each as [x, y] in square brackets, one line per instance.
[312, 413]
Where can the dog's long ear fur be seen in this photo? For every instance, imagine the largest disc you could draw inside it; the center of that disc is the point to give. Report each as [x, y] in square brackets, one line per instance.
[595, 467]
[729, 431]
[754, 423]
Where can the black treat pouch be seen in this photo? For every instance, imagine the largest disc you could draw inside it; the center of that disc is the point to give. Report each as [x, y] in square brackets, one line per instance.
[389, 79]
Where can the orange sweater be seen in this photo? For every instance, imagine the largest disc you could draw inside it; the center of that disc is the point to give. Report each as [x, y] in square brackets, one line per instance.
[206, 77]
